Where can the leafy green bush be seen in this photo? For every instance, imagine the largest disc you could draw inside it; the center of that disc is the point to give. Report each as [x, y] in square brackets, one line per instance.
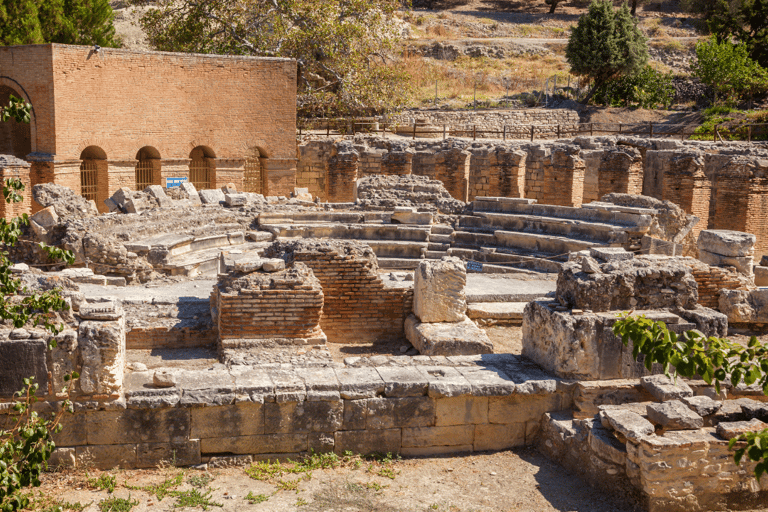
[648, 88]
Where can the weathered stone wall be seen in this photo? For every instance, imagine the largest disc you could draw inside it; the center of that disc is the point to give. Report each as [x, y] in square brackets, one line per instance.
[357, 308]
[620, 170]
[544, 121]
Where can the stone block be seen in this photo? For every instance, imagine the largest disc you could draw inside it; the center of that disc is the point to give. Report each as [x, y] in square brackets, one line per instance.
[158, 193]
[320, 442]
[674, 415]
[488, 381]
[743, 264]
[72, 432]
[607, 254]
[702, 405]
[189, 188]
[761, 275]
[235, 199]
[522, 408]
[385, 413]
[368, 441]
[727, 243]
[260, 236]
[445, 381]
[627, 423]
[606, 446]
[730, 429]
[319, 379]
[438, 291]
[434, 451]
[447, 338]
[403, 381]
[272, 265]
[663, 388]
[252, 445]
[46, 217]
[403, 215]
[499, 437]
[137, 426]
[303, 417]
[137, 204]
[358, 383]
[461, 410]
[22, 359]
[241, 419]
[152, 455]
[107, 456]
[62, 458]
[438, 436]
[355, 413]
[211, 196]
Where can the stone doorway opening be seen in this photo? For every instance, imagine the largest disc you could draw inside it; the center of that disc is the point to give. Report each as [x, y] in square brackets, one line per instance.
[93, 164]
[202, 167]
[148, 167]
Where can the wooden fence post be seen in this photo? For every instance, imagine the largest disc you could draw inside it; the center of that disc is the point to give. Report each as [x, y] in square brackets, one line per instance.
[558, 131]
[504, 132]
[414, 130]
[619, 128]
[444, 132]
[714, 135]
[474, 132]
[591, 130]
[749, 134]
[650, 129]
[531, 133]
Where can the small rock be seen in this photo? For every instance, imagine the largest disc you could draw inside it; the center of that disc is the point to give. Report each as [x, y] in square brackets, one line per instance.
[19, 334]
[136, 367]
[404, 349]
[627, 423]
[663, 388]
[730, 429]
[273, 265]
[408, 277]
[164, 379]
[674, 415]
[19, 268]
[589, 265]
[751, 409]
[702, 405]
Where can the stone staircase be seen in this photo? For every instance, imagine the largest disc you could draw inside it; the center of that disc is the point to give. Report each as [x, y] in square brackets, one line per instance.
[512, 232]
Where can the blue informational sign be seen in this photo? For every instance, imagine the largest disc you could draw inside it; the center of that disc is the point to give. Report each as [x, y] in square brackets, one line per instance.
[174, 182]
[475, 266]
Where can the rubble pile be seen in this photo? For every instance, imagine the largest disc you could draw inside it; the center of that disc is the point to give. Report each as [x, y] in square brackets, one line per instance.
[409, 190]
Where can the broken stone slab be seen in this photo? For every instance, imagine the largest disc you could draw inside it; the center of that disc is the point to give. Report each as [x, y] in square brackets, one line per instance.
[273, 265]
[438, 291]
[627, 423]
[702, 405]
[752, 409]
[261, 236]
[445, 381]
[248, 264]
[403, 215]
[211, 196]
[233, 199]
[191, 191]
[674, 415]
[302, 194]
[589, 265]
[357, 383]
[743, 264]
[158, 193]
[731, 429]
[761, 275]
[137, 204]
[46, 217]
[19, 268]
[610, 253]
[651, 245]
[403, 382]
[727, 243]
[447, 339]
[108, 310]
[663, 388]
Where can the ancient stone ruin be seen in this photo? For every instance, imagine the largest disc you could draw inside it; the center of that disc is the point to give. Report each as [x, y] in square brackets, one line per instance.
[216, 326]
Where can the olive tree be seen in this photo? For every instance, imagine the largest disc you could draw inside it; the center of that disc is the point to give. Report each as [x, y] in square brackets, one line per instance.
[728, 69]
[605, 44]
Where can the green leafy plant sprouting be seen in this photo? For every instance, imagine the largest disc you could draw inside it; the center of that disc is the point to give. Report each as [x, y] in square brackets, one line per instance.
[713, 359]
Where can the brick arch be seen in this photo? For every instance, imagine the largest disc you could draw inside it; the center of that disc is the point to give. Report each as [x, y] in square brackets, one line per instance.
[202, 167]
[18, 90]
[104, 144]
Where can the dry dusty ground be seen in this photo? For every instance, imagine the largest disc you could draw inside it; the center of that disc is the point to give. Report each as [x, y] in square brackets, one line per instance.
[516, 480]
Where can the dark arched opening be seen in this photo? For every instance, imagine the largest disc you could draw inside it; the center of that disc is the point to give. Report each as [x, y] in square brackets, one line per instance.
[148, 168]
[93, 173]
[15, 138]
[202, 168]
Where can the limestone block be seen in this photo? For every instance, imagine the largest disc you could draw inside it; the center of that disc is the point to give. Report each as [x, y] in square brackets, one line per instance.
[384, 413]
[163, 379]
[189, 188]
[303, 416]
[627, 423]
[611, 253]
[438, 291]
[62, 458]
[302, 194]
[730, 429]
[752, 409]
[320, 442]
[459, 435]
[241, 419]
[355, 412]
[499, 437]
[674, 415]
[158, 193]
[273, 265]
[182, 453]
[743, 264]
[235, 199]
[137, 204]
[356, 383]
[102, 349]
[488, 381]
[261, 236]
[120, 196]
[702, 405]
[745, 306]
[64, 357]
[445, 382]
[727, 243]
[46, 217]
[521, 408]
[761, 275]
[461, 410]
[22, 359]
[211, 196]
[138, 426]
[403, 381]
[107, 456]
[606, 446]
[447, 339]
[368, 441]
[268, 443]
[663, 388]
[404, 215]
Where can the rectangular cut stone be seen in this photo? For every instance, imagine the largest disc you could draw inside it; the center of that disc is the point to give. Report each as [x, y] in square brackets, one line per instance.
[211, 196]
[319, 379]
[663, 388]
[358, 383]
[108, 456]
[447, 338]
[629, 424]
[355, 412]
[303, 417]
[499, 437]
[674, 415]
[73, 432]
[251, 445]
[487, 382]
[403, 382]
[521, 408]
[438, 291]
[384, 413]
[152, 455]
[445, 381]
[288, 385]
[438, 436]
[730, 429]
[254, 383]
[368, 441]
[433, 451]
[461, 410]
[242, 419]
[727, 243]
[137, 426]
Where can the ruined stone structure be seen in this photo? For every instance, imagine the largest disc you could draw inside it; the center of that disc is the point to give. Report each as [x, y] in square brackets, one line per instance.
[110, 118]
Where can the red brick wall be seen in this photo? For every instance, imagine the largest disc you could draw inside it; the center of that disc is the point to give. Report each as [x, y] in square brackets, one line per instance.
[9, 210]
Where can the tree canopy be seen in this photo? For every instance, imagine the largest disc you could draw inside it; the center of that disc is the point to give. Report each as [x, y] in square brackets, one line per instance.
[728, 69]
[747, 22]
[606, 44]
[57, 21]
[344, 48]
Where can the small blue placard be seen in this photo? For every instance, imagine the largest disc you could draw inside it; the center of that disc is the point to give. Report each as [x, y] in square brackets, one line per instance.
[475, 266]
[174, 182]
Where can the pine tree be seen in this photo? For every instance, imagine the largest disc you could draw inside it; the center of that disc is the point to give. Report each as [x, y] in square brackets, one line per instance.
[605, 44]
[19, 22]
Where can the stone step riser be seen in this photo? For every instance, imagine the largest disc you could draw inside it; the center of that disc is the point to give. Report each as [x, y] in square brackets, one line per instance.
[598, 232]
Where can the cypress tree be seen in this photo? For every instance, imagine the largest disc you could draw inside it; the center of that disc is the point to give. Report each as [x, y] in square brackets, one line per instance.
[605, 44]
[19, 22]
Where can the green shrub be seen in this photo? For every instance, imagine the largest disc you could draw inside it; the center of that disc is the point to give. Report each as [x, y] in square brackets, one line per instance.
[648, 88]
